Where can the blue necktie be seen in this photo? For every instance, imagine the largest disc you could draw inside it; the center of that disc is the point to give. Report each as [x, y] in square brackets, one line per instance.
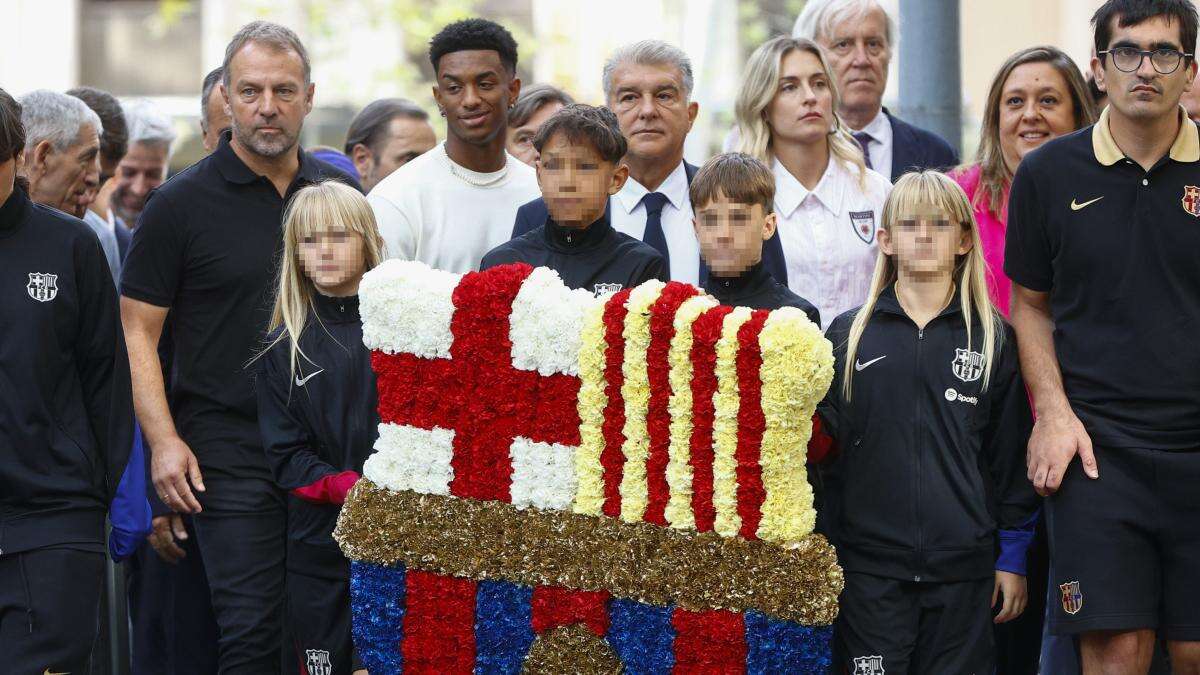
[864, 139]
[654, 202]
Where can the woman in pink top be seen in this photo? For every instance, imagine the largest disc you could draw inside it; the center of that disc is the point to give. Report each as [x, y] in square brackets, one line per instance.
[1038, 94]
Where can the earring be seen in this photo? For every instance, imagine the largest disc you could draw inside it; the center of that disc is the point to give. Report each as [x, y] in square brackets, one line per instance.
[442, 112]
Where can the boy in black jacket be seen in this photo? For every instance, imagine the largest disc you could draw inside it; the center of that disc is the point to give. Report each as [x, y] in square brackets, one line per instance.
[66, 422]
[579, 166]
[733, 196]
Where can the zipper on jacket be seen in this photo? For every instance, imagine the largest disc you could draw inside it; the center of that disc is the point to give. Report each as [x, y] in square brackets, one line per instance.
[917, 446]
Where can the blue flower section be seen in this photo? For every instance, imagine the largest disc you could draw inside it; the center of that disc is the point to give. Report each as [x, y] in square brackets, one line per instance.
[377, 605]
[642, 636]
[503, 627]
[774, 646]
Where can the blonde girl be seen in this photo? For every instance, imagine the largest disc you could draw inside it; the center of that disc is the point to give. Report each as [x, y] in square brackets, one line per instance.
[317, 404]
[929, 418]
[827, 201]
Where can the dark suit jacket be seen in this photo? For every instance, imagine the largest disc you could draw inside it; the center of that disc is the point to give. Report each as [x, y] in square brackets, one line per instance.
[533, 215]
[914, 148]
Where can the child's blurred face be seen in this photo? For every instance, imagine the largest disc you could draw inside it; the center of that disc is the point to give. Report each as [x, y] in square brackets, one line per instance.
[333, 258]
[731, 234]
[925, 244]
[576, 182]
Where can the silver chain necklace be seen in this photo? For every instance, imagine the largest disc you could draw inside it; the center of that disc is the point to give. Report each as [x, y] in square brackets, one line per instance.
[470, 180]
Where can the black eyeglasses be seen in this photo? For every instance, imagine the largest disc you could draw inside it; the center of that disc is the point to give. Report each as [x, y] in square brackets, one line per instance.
[1129, 59]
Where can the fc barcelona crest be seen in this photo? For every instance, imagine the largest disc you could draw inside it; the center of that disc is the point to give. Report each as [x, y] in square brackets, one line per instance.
[1191, 200]
[42, 287]
[868, 665]
[863, 223]
[967, 365]
[317, 662]
[1072, 597]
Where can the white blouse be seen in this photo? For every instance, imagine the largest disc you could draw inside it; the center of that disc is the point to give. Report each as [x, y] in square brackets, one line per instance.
[829, 235]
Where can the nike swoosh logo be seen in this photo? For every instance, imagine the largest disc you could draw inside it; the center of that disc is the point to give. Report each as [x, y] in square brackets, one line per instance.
[53, 672]
[1076, 206]
[300, 382]
[859, 366]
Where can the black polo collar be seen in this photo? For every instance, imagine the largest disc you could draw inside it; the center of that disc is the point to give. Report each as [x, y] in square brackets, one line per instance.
[235, 170]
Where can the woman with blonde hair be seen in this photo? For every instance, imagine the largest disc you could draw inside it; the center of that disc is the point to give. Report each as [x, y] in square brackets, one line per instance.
[1037, 95]
[317, 404]
[929, 419]
[827, 201]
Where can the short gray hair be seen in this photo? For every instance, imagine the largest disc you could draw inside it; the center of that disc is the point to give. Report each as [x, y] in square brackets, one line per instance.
[532, 99]
[649, 53]
[148, 124]
[51, 116]
[819, 17]
[274, 35]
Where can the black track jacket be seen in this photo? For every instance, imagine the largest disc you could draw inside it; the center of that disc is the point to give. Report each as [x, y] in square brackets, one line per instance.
[66, 408]
[318, 427]
[929, 465]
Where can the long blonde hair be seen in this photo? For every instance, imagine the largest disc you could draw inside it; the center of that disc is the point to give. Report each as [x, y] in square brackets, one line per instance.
[994, 174]
[314, 208]
[916, 193]
[760, 84]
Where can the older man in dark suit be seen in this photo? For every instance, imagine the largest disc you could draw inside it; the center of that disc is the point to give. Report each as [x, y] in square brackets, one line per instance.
[858, 36]
[648, 85]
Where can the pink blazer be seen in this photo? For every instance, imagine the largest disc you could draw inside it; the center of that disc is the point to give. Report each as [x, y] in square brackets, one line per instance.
[991, 233]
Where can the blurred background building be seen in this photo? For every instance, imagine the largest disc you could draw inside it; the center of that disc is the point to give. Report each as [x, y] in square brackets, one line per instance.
[366, 49]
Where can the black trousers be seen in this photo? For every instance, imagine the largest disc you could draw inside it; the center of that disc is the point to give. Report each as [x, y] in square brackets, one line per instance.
[319, 620]
[174, 631]
[242, 533]
[49, 610]
[913, 628]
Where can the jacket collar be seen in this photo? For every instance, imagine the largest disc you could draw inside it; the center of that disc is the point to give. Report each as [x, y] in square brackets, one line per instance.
[1186, 147]
[336, 310]
[746, 282]
[14, 211]
[235, 170]
[890, 304]
[573, 240]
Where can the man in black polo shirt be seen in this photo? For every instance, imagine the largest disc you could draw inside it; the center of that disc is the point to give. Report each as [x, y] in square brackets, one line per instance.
[1103, 230]
[205, 248]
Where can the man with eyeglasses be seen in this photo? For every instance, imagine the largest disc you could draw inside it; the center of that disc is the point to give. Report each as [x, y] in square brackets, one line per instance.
[1103, 229]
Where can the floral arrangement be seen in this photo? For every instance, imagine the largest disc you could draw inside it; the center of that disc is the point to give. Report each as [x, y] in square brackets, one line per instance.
[564, 483]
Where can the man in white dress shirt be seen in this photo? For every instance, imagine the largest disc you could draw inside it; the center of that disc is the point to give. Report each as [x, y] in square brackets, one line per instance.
[453, 204]
[858, 38]
[648, 85]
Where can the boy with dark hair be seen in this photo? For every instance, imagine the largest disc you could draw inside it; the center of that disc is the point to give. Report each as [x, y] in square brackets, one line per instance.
[452, 204]
[733, 196]
[579, 166]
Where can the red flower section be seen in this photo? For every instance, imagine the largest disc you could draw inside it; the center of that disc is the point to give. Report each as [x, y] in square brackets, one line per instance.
[496, 404]
[658, 418]
[706, 330]
[554, 606]
[709, 642]
[439, 624]
[412, 390]
[611, 458]
[751, 425]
